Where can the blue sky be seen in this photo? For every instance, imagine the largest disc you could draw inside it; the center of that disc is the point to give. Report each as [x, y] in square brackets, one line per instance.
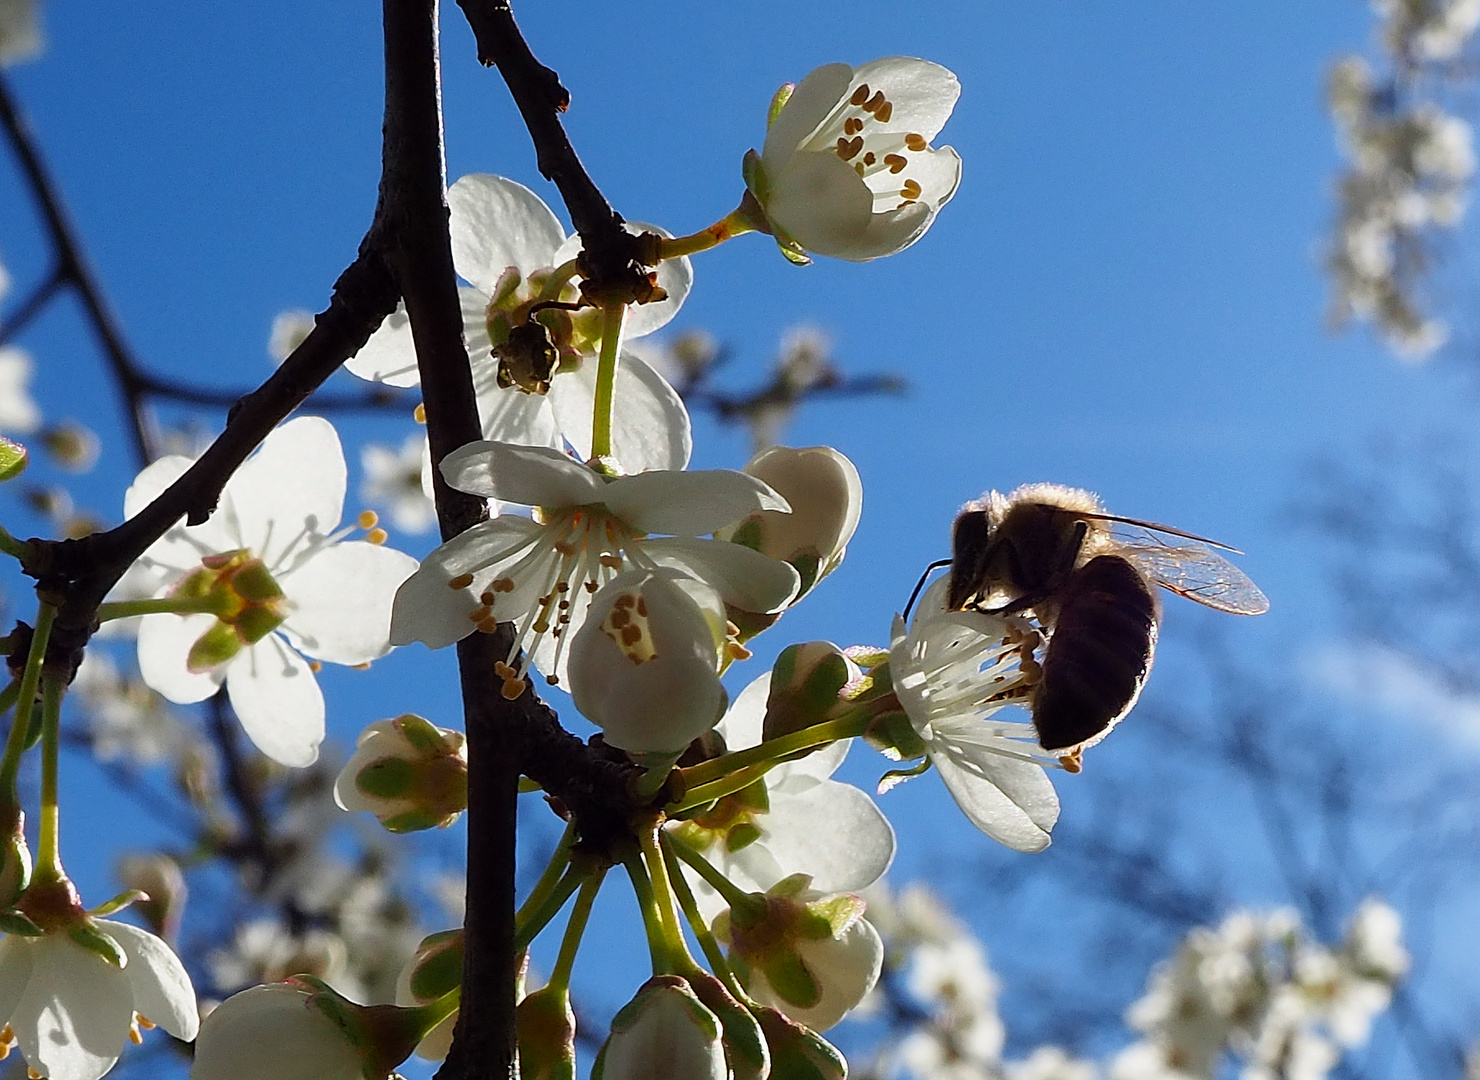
[1125, 294]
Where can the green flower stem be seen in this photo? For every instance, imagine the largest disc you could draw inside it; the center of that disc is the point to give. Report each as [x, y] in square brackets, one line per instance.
[771, 750]
[434, 1012]
[707, 942]
[606, 379]
[559, 860]
[17, 549]
[174, 605]
[20, 726]
[48, 853]
[725, 785]
[540, 917]
[736, 223]
[575, 929]
[678, 947]
[652, 922]
[732, 893]
[559, 278]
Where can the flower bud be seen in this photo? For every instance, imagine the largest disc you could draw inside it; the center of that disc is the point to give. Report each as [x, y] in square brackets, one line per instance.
[664, 1031]
[159, 878]
[797, 1052]
[811, 955]
[435, 971]
[745, 1045]
[408, 773]
[806, 683]
[547, 1035]
[74, 447]
[273, 1032]
[826, 498]
[15, 858]
[644, 665]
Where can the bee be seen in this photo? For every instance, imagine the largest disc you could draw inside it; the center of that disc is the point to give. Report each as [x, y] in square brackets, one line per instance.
[1087, 576]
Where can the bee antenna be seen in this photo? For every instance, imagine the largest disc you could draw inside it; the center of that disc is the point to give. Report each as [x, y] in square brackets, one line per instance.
[921, 583]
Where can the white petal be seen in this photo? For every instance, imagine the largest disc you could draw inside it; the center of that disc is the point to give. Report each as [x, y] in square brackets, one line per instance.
[162, 990]
[164, 645]
[73, 1019]
[845, 969]
[742, 725]
[342, 601]
[689, 503]
[528, 475]
[650, 425]
[294, 485]
[922, 93]
[821, 202]
[675, 277]
[1012, 801]
[390, 355]
[270, 1033]
[512, 416]
[746, 579]
[811, 102]
[497, 223]
[278, 701]
[832, 831]
[180, 548]
[15, 971]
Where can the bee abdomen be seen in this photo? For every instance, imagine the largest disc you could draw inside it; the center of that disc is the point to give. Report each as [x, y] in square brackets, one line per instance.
[1099, 653]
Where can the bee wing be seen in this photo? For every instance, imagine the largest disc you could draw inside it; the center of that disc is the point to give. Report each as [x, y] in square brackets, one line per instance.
[1191, 570]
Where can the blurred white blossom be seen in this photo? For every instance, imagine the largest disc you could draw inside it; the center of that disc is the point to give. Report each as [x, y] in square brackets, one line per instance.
[20, 31]
[400, 482]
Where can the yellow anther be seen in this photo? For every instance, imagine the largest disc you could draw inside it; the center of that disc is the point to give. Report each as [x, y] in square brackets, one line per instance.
[462, 581]
[884, 111]
[32, 1074]
[562, 586]
[589, 586]
[852, 126]
[911, 190]
[896, 162]
[368, 519]
[860, 95]
[848, 149]
[875, 103]
[486, 598]
[553, 680]
[858, 167]
[503, 584]
[361, 667]
[5, 1050]
[420, 413]
[541, 625]
[144, 1022]
[315, 666]
[1074, 762]
[487, 626]
[611, 561]
[915, 142]
[376, 536]
[512, 688]
[869, 159]
[135, 1036]
[735, 651]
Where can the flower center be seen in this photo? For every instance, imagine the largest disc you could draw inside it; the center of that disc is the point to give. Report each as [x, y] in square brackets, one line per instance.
[532, 346]
[880, 157]
[236, 587]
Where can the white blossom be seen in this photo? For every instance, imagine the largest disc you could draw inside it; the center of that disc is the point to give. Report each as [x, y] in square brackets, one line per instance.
[664, 1031]
[847, 169]
[400, 482]
[126, 718]
[541, 573]
[311, 592]
[273, 1033]
[19, 414]
[505, 243]
[953, 672]
[72, 1012]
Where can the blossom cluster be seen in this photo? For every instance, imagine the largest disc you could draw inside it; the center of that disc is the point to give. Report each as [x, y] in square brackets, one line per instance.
[1409, 166]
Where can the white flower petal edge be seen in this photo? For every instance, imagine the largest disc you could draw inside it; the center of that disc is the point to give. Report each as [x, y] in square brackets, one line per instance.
[271, 1033]
[162, 991]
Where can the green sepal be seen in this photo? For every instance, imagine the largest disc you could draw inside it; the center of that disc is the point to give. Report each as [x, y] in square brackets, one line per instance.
[832, 916]
[95, 941]
[17, 923]
[421, 733]
[546, 1027]
[386, 778]
[793, 706]
[808, 566]
[790, 978]
[119, 902]
[256, 622]
[253, 583]
[749, 533]
[413, 821]
[778, 102]
[438, 967]
[742, 836]
[898, 776]
[198, 583]
[745, 1045]
[893, 735]
[13, 459]
[213, 648]
[867, 656]
[756, 180]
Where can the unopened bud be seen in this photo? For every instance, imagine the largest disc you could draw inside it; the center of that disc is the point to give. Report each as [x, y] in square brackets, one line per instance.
[408, 773]
[826, 497]
[807, 684]
[435, 971]
[798, 1052]
[745, 1045]
[547, 1035]
[159, 878]
[528, 358]
[664, 1031]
